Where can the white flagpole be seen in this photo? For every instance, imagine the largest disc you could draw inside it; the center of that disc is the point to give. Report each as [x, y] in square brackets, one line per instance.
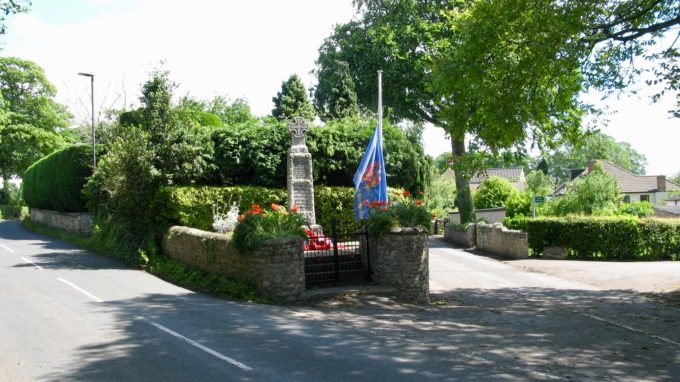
[380, 108]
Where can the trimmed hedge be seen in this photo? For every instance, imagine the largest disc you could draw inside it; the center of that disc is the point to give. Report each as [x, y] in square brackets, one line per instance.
[607, 238]
[55, 182]
[193, 206]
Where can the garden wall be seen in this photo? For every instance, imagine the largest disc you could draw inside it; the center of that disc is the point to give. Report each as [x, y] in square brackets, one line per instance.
[489, 215]
[497, 239]
[276, 269]
[77, 222]
[464, 237]
[400, 259]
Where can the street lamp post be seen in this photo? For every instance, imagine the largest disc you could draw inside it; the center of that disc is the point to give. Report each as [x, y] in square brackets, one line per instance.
[94, 140]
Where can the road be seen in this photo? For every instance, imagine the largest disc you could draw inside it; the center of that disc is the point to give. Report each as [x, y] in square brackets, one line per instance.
[69, 315]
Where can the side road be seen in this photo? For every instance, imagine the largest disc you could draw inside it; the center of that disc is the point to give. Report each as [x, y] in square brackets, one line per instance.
[72, 315]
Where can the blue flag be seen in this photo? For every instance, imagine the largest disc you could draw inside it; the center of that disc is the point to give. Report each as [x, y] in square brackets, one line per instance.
[370, 180]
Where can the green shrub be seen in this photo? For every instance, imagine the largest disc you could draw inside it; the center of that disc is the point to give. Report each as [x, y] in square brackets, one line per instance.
[192, 206]
[494, 192]
[12, 195]
[56, 181]
[406, 212]
[639, 209]
[518, 222]
[518, 205]
[615, 238]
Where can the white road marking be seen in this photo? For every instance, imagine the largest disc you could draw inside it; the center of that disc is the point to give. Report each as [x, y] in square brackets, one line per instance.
[81, 290]
[195, 344]
[630, 328]
[7, 248]
[30, 262]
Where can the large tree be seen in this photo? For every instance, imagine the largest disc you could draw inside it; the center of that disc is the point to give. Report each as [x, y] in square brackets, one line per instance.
[30, 118]
[292, 101]
[596, 145]
[501, 73]
[335, 96]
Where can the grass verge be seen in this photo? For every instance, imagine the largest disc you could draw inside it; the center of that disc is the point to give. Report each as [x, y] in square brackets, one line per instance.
[167, 269]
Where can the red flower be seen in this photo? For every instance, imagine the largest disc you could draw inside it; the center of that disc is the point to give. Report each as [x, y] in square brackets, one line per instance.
[419, 202]
[256, 209]
[275, 207]
[366, 202]
[242, 217]
[295, 208]
[406, 193]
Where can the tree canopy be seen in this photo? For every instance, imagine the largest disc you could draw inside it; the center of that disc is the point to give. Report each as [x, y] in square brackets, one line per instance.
[292, 101]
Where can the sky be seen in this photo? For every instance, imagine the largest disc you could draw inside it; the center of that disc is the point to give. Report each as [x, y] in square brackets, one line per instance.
[240, 49]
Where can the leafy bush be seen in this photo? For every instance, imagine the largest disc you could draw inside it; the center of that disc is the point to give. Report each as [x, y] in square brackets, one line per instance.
[518, 205]
[518, 222]
[596, 194]
[258, 225]
[616, 238]
[441, 197]
[56, 181]
[12, 195]
[639, 209]
[494, 192]
[192, 206]
[538, 183]
[13, 212]
[407, 212]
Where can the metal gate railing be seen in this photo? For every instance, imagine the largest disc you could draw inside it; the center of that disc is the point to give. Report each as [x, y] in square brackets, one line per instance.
[337, 258]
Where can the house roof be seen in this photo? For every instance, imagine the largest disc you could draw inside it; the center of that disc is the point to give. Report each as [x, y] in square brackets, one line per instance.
[513, 174]
[674, 197]
[629, 182]
[672, 210]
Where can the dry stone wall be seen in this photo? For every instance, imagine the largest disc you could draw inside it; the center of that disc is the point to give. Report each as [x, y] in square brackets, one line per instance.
[80, 223]
[465, 238]
[276, 269]
[400, 259]
[497, 239]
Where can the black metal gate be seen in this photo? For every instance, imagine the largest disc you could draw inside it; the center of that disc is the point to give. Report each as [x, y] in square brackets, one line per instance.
[337, 258]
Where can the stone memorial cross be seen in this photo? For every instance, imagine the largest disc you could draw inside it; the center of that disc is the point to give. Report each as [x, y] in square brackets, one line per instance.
[300, 180]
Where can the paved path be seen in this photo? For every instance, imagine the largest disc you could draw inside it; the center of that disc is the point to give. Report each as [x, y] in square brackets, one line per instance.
[66, 314]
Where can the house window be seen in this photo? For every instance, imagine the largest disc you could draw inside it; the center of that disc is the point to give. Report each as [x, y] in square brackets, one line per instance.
[626, 199]
[644, 198]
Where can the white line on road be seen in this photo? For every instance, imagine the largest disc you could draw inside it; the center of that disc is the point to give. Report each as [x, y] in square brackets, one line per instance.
[631, 329]
[195, 344]
[81, 290]
[30, 262]
[7, 248]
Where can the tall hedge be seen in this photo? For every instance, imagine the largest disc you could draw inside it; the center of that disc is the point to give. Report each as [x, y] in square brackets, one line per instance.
[192, 206]
[615, 238]
[55, 182]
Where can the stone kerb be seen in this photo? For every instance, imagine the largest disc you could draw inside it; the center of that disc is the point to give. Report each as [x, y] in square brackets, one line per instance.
[400, 259]
[495, 238]
[455, 234]
[81, 223]
[276, 269]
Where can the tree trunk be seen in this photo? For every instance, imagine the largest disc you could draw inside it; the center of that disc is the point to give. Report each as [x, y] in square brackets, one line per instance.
[463, 195]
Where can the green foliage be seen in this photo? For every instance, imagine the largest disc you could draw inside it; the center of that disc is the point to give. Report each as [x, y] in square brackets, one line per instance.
[517, 222]
[676, 179]
[8, 211]
[335, 96]
[639, 209]
[572, 156]
[597, 193]
[21, 145]
[404, 212]
[607, 238]
[11, 7]
[236, 113]
[441, 197]
[258, 225]
[292, 101]
[11, 194]
[538, 183]
[494, 192]
[518, 204]
[56, 181]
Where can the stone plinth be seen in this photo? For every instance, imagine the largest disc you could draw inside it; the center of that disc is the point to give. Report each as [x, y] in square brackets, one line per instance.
[400, 260]
[299, 170]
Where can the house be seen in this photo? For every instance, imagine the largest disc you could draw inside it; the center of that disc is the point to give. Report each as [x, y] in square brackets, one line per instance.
[673, 200]
[655, 189]
[514, 175]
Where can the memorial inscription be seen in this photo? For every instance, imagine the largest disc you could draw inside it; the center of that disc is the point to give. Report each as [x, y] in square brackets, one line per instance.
[300, 181]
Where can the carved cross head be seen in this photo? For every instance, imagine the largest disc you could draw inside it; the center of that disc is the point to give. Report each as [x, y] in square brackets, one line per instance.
[298, 127]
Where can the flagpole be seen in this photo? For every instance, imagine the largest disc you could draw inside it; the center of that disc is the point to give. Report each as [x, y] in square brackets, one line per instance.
[380, 108]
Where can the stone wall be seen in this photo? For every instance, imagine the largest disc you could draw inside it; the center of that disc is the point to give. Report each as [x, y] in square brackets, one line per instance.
[276, 269]
[497, 239]
[400, 259]
[489, 215]
[466, 238]
[80, 223]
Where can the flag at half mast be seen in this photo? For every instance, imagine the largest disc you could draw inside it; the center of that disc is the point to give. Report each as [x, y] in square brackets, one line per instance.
[370, 180]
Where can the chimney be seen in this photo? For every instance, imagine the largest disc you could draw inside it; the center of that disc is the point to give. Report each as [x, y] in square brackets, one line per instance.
[661, 183]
